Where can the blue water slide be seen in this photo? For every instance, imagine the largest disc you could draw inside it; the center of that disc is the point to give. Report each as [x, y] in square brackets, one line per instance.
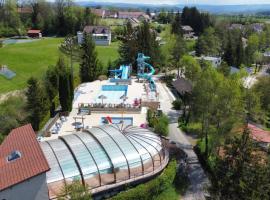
[125, 72]
[122, 72]
[141, 74]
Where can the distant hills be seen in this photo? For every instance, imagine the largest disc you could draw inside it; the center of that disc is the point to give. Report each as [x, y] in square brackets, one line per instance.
[221, 9]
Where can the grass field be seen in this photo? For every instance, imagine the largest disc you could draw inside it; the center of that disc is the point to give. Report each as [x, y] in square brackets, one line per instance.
[32, 59]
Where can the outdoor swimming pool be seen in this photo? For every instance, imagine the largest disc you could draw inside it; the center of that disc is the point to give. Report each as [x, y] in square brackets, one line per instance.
[118, 120]
[112, 94]
[15, 41]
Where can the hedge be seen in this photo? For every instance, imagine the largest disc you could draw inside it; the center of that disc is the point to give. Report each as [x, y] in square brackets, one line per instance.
[151, 189]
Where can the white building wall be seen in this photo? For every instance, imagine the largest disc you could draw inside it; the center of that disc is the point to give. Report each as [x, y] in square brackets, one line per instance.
[32, 189]
[98, 42]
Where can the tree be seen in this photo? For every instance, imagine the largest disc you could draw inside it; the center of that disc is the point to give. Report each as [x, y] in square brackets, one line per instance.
[191, 68]
[70, 48]
[51, 86]
[258, 58]
[75, 191]
[241, 173]
[198, 21]
[176, 24]
[110, 67]
[141, 39]
[177, 51]
[225, 69]
[217, 102]
[64, 88]
[208, 43]
[229, 52]
[147, 44]
[37, 102]
[60, 18]
[239, 52]
[13, 113]
[148, 12]
[89, 66]
[128, 48]
[252, 47]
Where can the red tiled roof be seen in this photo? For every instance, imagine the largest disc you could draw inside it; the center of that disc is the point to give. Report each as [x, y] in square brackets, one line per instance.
[24, 10]
[34, 31]
[126, 14]
[259, 134]
[98, 12]
[31, 163]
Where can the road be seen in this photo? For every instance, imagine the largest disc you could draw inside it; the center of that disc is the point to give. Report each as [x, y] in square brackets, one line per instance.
[197, 177]
[252, 79]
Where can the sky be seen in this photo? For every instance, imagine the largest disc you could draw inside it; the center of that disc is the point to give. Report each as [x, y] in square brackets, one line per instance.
[208, 2]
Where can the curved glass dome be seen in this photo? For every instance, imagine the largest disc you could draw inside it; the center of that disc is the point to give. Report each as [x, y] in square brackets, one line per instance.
[102, 155]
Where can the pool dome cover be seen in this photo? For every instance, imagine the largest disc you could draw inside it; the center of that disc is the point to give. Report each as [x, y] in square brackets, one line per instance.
[102, 155]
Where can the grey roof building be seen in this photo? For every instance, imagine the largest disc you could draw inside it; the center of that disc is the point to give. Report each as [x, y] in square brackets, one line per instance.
[100, 34]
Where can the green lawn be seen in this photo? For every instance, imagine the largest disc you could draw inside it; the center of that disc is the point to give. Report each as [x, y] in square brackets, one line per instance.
[32, 59]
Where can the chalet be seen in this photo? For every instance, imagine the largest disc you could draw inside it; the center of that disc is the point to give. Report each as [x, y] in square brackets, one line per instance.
[98, 12]
[188, 32]
[111, 14]
[34, 33]
[257, 27]
[100, 34]
[215, 61]
[182, 86]
[237, 26]
[138, 15]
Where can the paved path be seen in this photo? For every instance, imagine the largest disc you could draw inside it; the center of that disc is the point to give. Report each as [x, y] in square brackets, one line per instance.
[196, 175]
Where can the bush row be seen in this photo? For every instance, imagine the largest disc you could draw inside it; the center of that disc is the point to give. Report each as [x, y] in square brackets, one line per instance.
[151, 189]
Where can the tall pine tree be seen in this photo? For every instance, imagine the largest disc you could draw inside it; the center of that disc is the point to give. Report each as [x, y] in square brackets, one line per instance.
[89, 66]
[176, 24]
[51, 86]
[239, 52]
[37, 103]
[64, 86]
[229, 52]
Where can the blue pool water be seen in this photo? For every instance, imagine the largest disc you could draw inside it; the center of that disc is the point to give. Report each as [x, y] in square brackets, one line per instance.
[118, 120]
[114, 88]
[112, 93]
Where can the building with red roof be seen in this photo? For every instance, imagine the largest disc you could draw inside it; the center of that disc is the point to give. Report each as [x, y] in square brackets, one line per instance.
[259, 135]
[23, 166]
[34, 33]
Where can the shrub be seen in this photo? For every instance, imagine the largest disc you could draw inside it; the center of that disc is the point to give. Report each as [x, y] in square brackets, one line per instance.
[159, 122]
[194, 128]
[162, 127]
[102, 77]
[177, 104]
[151, 189]
[151, 117]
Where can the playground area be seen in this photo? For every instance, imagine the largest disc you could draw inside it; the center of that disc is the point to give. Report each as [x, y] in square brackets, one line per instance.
[6, 72]
[122, 99]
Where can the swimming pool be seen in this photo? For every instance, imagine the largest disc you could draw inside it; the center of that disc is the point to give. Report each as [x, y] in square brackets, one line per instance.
[118, 120]
[112, 94]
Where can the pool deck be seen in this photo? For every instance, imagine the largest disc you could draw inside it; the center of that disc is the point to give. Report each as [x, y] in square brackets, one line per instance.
[87, 93]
